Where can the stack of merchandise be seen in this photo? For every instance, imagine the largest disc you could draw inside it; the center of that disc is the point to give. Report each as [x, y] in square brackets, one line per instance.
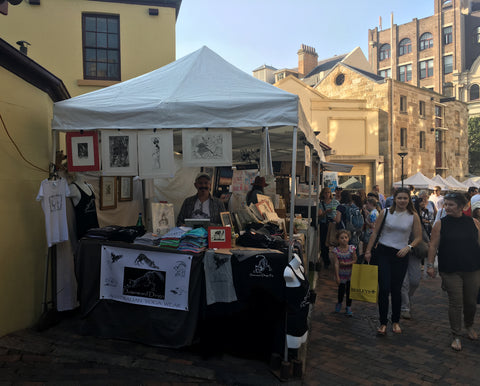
[194, 241]
[171, 240]
[148, 238]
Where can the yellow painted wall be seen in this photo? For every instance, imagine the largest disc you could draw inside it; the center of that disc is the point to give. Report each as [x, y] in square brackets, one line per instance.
[27, 113]
[54, 30]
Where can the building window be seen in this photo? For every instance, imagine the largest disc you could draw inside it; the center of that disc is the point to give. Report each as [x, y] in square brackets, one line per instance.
[422, 140]
[426, 69]
[403, 104]
[447, 3]
[474, 92]
[387, 73]
[403, 137]
[476, 35]
[385, 52]
[421, 109]
[426, 41]
[448, 64]
[101, 46]
[339, 79]
[448, 89]
[405, 73]
[447, 35]
[405, 47]
[438, 116]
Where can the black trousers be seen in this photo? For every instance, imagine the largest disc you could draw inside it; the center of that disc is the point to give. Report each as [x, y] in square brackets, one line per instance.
[342, 289]
[323, 248]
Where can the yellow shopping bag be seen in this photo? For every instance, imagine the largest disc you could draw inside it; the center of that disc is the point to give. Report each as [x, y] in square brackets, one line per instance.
[364, 283]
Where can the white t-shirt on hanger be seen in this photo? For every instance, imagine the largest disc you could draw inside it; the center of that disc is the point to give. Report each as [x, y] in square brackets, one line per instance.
[52, 195]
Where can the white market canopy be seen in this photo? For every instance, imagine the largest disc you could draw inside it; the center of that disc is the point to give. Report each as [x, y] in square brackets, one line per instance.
[455, 184]
[200, 90]
[442, 182]
[472, 181]
[419, 181]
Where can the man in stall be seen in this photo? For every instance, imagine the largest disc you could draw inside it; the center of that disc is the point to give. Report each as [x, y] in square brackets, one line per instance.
[203, 204]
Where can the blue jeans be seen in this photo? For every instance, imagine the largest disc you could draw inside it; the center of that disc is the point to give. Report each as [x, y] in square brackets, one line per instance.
[391, 272]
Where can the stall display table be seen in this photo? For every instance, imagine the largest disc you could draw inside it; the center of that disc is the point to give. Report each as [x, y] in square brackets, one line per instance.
[253, 321]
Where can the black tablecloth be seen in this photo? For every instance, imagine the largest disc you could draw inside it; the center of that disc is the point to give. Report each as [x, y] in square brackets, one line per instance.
[149, 325]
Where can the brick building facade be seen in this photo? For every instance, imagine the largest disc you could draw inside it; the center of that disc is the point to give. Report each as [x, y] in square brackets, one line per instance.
[431, 128]
[438, 52]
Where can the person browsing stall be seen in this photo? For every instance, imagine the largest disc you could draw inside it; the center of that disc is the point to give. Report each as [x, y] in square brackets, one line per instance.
[203, 204]
[257, 188]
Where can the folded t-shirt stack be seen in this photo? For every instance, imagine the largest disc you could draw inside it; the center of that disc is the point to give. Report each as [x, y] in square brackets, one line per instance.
[171, 240]
[194, 241]
[148, 238]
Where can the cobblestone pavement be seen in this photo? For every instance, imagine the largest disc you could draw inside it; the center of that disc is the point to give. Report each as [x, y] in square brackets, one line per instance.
[341, 351]
[347, 351]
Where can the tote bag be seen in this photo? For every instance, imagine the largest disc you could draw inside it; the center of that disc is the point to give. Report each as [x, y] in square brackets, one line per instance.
[331, 240]
[364, 283]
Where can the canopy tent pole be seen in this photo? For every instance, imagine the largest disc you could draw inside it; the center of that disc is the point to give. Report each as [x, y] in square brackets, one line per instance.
[292, 192]
[310, 175]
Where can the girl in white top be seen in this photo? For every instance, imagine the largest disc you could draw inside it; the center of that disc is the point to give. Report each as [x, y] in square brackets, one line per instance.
[392, 254]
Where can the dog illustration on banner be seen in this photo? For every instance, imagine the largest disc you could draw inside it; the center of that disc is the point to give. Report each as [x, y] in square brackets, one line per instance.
[143, 259]
[144, 283]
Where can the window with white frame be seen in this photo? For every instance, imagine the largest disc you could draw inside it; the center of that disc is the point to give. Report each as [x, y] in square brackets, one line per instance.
[386, 73]
[447, 35]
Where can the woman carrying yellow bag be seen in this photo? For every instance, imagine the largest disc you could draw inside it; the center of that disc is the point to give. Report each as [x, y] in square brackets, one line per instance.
[393, 253]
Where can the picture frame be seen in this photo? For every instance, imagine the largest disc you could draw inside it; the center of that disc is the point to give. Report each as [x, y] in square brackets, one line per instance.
[219, 237]
[227, 220]
[119, 153]
[108, 192]
[125, 188]
[207, 147]
[82, 151]
[156, 158]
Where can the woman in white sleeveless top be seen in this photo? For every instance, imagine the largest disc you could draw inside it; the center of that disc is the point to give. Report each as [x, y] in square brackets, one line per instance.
[392, 254]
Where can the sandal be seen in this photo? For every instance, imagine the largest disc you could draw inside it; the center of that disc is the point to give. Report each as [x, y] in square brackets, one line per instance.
[382, 330]
[472, 334]
[396, 328]
[456, 344]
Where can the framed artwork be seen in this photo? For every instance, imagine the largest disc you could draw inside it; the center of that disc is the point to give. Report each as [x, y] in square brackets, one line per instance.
[163, 217]
[125, 188]
[219, 237]
[156, 156]
[226, 219]
[108, 192]
[82, 151]
[119, 153]
[202, 147]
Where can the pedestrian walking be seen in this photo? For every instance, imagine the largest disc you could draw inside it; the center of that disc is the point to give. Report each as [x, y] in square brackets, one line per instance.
[456, 240]
[344, 256]
[326, 214]
[392, 254]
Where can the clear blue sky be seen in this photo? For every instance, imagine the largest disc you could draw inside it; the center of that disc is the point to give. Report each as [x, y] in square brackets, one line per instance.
[249, 33]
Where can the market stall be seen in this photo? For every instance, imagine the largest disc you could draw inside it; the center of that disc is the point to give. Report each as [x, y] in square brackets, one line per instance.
[174, 112]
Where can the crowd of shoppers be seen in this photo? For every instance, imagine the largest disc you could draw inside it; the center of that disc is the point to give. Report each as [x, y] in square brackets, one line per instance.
[408, 231]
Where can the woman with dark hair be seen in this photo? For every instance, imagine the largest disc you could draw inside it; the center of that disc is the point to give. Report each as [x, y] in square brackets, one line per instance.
[342, 217]
[392, 254]
[456, 239]
[326, 214]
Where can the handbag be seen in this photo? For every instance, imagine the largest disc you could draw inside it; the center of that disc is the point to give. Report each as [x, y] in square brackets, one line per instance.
[364, 283]
[331, 239]
[421, 249]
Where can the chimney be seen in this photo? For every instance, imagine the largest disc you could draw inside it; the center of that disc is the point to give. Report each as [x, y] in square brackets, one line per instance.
[307, 60]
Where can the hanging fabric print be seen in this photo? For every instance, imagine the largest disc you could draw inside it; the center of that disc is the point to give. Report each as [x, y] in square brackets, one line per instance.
[119, 153]
[156, 156]
[212, 147]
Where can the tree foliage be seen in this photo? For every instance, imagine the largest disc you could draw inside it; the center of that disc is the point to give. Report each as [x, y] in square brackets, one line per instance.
[474, 145]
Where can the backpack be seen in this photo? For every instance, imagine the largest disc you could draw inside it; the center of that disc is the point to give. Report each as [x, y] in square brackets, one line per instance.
[354, 218]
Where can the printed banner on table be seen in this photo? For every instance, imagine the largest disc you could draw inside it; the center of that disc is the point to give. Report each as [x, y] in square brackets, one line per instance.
[147, 278]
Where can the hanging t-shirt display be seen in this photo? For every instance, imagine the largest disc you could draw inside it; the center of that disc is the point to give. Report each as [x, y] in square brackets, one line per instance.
[85, 211]
[52, 195]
